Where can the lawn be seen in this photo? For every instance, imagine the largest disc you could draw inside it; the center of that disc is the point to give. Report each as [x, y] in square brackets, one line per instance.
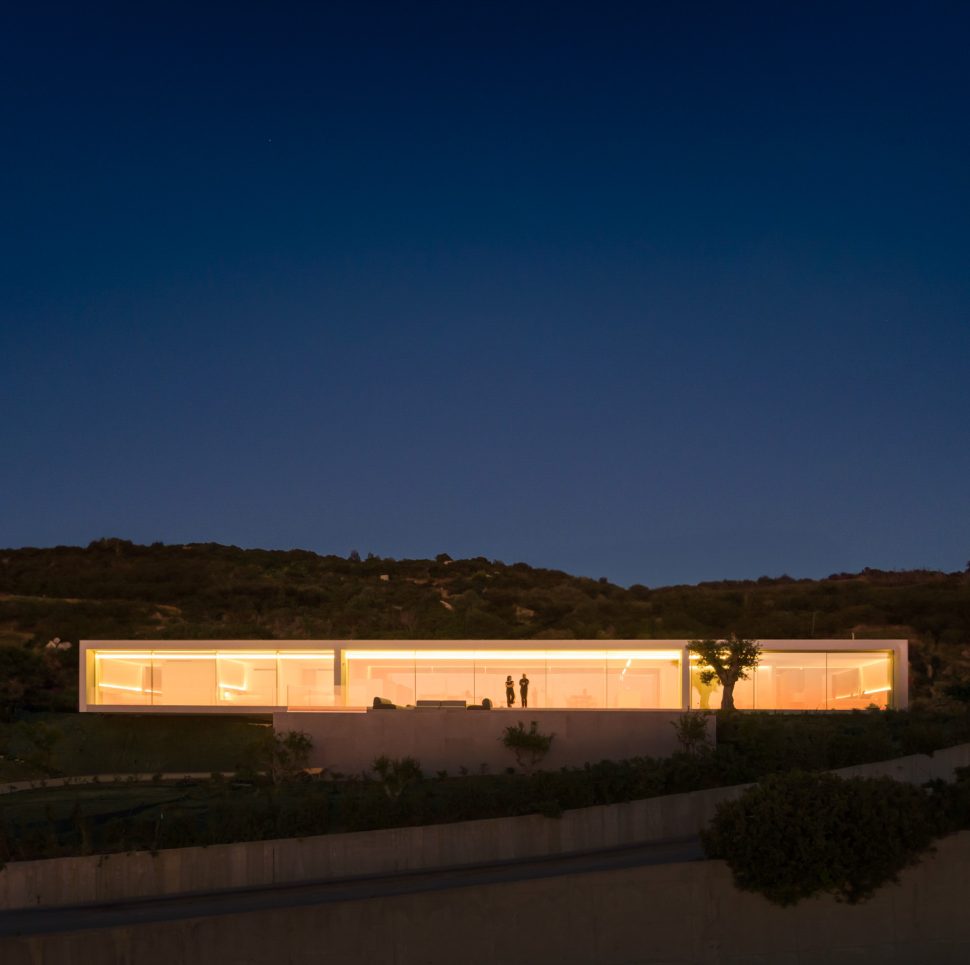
[80, 744]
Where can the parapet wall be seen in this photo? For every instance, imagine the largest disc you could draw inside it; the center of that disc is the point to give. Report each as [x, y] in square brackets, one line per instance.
[447, 740]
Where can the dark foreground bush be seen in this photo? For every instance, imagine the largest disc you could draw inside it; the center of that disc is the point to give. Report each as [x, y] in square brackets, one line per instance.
[797, 835]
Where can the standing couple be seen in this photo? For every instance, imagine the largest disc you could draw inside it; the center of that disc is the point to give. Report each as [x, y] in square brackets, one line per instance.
[523, 690]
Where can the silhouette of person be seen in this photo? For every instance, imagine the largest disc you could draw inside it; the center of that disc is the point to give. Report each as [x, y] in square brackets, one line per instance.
[509, 691]
[524, 689]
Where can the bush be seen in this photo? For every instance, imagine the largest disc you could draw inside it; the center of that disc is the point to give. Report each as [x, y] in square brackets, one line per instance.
[529, 746]
[282, 757]
[796, 835]
[396, 776]
[691, 731]
[28, 681]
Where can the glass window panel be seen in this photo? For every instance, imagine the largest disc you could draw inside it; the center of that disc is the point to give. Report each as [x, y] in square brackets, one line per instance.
[536, 674]
[306, 679]
[373, 674]
[246, 679]
[493, 666]
[790, 681]
[708, 696]
[490, 679]
[576, 683]
[440, 678]
[702, 696]
[643, 680]
[184, 679]
[125, 679]
[859, 680]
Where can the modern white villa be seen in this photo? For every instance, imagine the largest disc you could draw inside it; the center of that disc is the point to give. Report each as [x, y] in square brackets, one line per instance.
[272, 676]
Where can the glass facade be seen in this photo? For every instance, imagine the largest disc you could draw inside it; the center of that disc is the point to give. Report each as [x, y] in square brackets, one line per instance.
[637, 679]
[571, 679]
[557, 678]
[493, 667]
[806, 680]
[212, 678]
[388, 674]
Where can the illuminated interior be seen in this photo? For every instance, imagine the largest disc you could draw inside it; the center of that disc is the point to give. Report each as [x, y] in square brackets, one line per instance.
[213, 678]
[819, 680]
[636, 679]
[220, 677]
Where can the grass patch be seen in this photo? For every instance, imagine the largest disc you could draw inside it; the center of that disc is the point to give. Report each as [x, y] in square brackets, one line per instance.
[127, 744]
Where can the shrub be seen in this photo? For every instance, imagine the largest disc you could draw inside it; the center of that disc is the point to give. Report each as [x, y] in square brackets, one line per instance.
[282, 757]
[796, 835]
[691, 731]
[529, 746]
[396, 776]
[28, 681]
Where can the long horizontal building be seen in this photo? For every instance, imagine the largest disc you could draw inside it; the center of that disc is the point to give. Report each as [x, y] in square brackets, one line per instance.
[250, 676]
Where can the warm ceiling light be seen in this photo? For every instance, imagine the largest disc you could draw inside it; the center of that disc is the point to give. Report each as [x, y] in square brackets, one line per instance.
[239, 655]
[123, 655]
[379, 654]
[513, 656]
[306, 655]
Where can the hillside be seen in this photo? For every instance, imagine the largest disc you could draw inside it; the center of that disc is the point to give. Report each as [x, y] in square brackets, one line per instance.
[116, 589]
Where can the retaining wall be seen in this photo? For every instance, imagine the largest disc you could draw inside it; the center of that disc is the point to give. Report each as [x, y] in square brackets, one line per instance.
[452, 739]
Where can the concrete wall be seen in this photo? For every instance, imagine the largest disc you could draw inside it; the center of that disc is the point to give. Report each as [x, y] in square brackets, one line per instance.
[678, 914]
[916, 768]
[67, 881]
[101, 878]
[452, 739]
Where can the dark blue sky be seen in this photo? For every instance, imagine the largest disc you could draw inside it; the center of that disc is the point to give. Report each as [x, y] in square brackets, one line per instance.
[657, 292]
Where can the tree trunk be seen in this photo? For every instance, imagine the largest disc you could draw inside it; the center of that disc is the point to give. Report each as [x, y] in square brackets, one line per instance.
[727, 696]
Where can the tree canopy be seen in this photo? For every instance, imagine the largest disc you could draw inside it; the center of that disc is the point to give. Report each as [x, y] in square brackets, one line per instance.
[726, 661]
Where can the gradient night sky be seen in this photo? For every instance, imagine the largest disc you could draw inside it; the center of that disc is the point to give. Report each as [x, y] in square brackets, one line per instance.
[657, 292]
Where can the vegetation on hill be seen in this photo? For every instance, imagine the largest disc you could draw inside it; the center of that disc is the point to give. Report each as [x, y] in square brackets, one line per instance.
[116, 589]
